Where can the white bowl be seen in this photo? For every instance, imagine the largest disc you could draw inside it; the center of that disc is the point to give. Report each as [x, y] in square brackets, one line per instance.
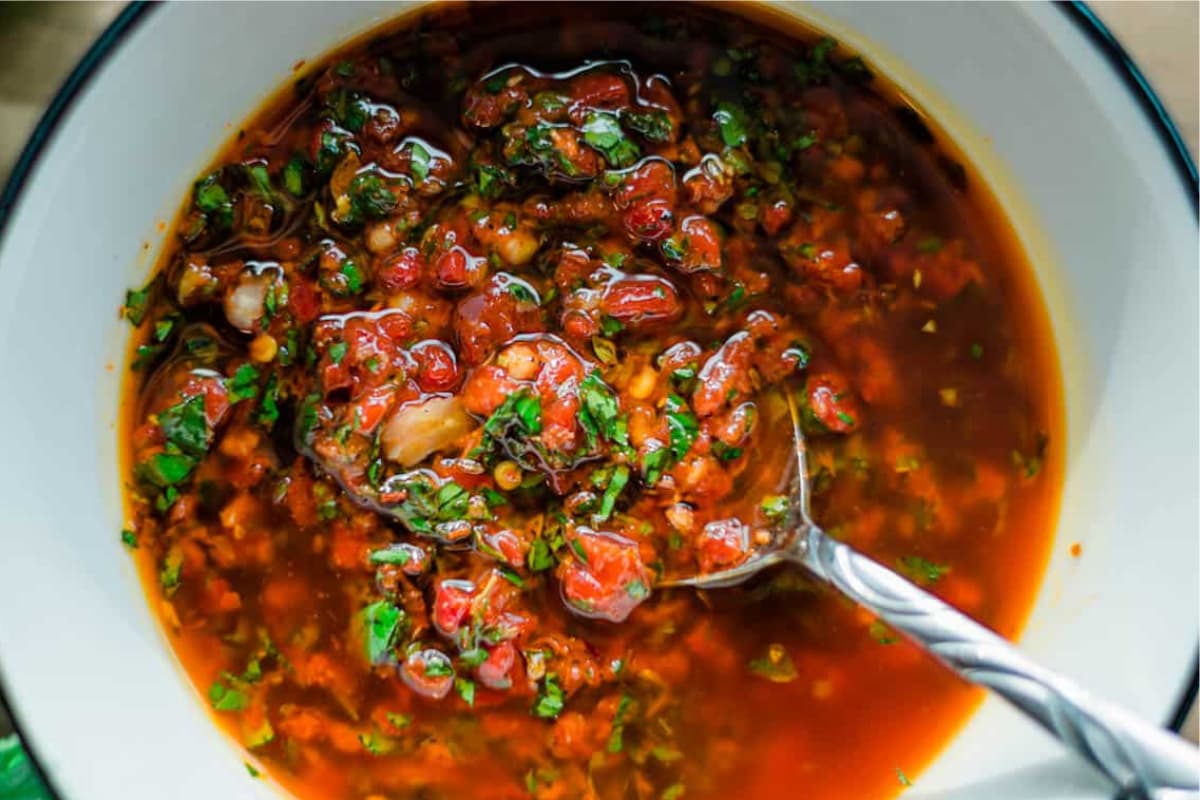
[1103, 205]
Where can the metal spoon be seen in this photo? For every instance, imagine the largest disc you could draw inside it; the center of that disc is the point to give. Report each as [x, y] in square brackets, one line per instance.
[1140, 758]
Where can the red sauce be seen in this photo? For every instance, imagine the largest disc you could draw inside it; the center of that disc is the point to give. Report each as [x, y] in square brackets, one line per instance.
[485, 326]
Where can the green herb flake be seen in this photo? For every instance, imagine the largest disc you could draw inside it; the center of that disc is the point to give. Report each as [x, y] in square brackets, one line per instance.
[550, 699]
[775, 507]
[653, 126]
[438, 667]
[337, 351]
[730, 121]
[602, 131]
[724, 452]
[512, 577]
[268, 409]
[806, 141]
[620, 477]
[673, 792]
[398, 720]
[226, 698]
[491, 180]
[474, 657]
[599, 414]
[380, 624]
[653, 464]
[394, 554]
[370, 198]
[166, 470]
[577, 547]
[540, 557]
[466, 690]
[665, 755]
[616, 739]
[419, 161]
[244, 383]
[293, 176]
[682, 426]
[185, 426]
[522, 293]
[254, 773]
[169, 574]
[922, 571]
[129, 538]
[208, 195]
[1031, 465]
[901, 778]
[354, 277]
[776, 666]
[163, 328]
[376, 743]
[263, 735]
[605, 350]
[881, 633]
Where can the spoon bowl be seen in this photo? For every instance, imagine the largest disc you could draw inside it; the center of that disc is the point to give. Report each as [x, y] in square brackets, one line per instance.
[1141, 759]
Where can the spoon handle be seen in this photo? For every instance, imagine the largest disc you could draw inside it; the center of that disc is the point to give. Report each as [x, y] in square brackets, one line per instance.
[1142, 759]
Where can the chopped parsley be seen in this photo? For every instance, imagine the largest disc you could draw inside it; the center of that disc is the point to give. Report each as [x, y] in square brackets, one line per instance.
[244, 383]
[599, 414]
[540, 557]
[226, 698]
[396, 554]
[922, 571]
[881, 633]
[549, 703]
[376, 743]
[426, 504]
[293, 176]
[380, 624]
[731, 123]
[602, 131]
[268, 408]
[653, 126]
[137, 302]
[775, 507]
[185, 426]
[420, 160]
[616, 739]
[616, 483]
[682, 426]
[466, 690]
[653, 464]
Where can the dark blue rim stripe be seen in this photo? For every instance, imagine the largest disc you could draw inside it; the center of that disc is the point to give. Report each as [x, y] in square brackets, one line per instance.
[1088, 24]
[1118, 58]
[80, 76]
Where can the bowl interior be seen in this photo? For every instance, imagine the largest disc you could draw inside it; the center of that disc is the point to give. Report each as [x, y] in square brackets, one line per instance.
[1041, 113]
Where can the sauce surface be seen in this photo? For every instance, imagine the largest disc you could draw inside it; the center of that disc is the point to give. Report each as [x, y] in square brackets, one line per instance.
[485, 326]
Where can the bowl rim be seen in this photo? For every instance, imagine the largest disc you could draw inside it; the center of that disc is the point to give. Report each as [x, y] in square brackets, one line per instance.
[1085, 22]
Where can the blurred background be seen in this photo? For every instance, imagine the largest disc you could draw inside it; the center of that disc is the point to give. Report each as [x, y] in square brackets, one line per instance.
[40, 42]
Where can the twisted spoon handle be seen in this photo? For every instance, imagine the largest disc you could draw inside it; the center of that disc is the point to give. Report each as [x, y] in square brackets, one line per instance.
[1142, 759]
